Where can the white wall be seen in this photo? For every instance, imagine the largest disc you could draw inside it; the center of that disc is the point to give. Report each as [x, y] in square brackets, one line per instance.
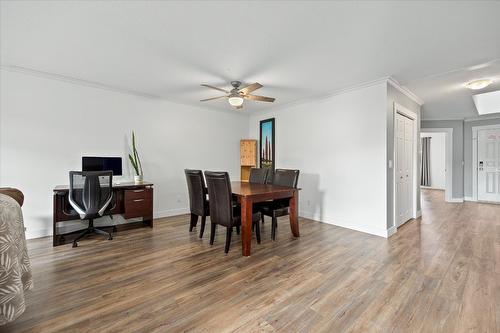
[47, 125]
[339, 145]
[437, 159]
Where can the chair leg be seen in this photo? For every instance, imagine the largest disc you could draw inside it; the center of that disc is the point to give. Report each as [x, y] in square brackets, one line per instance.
[202, 227]
[237, 229]
[212, 233]
[257, 231]
[193, 222]
[105, 233]
[229, 232]
[273, 228]
[262, 218]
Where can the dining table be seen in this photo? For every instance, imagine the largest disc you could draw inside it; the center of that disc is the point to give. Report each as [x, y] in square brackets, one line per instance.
[248, 194]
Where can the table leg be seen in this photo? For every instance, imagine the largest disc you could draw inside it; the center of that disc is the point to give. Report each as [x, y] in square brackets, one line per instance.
[246, 226]
[294, 214]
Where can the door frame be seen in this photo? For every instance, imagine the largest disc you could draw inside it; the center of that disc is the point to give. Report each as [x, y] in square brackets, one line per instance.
[448, 192]
[475, 130]
[398, 108]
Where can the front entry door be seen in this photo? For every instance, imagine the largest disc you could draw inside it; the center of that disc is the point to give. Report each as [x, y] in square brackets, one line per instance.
[404, 168]
[488, 167]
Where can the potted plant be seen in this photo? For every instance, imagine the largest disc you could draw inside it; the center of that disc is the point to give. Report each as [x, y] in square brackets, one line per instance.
[136, 162]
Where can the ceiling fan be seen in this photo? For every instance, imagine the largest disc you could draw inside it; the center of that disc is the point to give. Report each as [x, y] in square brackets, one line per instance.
[236, 96]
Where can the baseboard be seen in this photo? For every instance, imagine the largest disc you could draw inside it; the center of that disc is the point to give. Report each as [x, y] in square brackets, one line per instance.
[419, 213]
[456, 200]
[391, 231]
[39, 233]
[432, 188]
[381, 232]
[170, 212]
[469, 199]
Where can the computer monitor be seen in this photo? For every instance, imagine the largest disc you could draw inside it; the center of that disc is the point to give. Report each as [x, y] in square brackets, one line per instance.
[91, 163]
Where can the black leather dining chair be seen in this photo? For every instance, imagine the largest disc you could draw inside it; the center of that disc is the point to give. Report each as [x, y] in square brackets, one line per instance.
[222, 210]
[258, 175]
[90, 193]
[198, 202]
[280, 207]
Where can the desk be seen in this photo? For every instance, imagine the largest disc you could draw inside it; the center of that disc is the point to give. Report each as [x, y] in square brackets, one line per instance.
[129, 199]
[250, 193]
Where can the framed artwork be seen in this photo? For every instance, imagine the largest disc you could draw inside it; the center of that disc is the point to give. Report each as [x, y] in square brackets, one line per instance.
[266, 147]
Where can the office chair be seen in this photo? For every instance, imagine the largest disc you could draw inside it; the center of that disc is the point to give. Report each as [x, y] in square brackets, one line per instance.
[90, 193]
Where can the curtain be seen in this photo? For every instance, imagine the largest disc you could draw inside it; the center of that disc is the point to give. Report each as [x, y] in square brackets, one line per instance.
[425, 177]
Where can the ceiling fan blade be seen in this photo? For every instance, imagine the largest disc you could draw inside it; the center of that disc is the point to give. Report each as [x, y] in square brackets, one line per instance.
[248, 89]
[259, 98]
[219, 89]
[209, 99]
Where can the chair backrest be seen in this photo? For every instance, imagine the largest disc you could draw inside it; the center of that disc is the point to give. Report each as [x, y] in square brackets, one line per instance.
[270, 176]
[221, 199]
[90, 192]
[197, 191]
[286, 177]
[258, 175]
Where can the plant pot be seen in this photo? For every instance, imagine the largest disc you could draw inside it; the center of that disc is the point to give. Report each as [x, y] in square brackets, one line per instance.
[138, 179]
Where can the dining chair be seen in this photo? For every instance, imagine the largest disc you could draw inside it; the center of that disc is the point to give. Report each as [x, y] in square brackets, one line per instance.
[222, 210]
[198, 202]
[258, 175]
[280, 207]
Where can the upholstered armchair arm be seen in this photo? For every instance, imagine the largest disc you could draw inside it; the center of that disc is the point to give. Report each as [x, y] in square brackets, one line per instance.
[13, 193]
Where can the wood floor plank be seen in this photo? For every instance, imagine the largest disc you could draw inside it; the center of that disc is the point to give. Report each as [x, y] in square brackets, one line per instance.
[439, 273]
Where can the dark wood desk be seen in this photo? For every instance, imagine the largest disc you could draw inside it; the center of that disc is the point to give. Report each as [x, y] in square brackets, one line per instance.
[250, 193]
[129, 199]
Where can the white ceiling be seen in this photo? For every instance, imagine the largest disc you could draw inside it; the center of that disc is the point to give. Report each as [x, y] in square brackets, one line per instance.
[296, 49]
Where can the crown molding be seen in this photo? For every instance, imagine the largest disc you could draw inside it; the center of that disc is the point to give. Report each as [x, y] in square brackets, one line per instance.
[320, 97]
[479, 118]
[405, 91]
[74, 80]
[97, 85]
[444, 119]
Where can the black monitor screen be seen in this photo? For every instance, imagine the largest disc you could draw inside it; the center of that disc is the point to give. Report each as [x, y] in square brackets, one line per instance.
[102, 164]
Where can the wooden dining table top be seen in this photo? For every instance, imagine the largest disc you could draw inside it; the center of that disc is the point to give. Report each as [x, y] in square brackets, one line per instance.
[246, 189]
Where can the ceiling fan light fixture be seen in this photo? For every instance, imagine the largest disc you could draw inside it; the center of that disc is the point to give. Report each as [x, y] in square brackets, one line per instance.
[235, 100]
[478, 84]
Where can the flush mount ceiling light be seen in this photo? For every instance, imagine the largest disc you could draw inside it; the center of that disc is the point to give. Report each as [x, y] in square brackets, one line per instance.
[478, 84]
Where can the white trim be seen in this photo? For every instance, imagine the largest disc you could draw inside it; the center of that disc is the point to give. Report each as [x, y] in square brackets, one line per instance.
[476, 129]
[448, 193]
[397, 108]
[456, 200]
[405, 91]
[170, 212]
[98, 85]
[469, 199]
[486, 117]
[419, 214]
[391, 231]
[346, 224]
[443, 119]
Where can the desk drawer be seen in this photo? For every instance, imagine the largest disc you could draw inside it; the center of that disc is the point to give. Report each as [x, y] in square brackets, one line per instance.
[138, 203]
[144, 193]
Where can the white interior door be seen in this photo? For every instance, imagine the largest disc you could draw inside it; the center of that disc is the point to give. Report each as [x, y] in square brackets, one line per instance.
[488, 165]
[404, 168]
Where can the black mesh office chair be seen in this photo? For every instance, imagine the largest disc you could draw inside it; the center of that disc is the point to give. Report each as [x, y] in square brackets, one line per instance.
[90, 193]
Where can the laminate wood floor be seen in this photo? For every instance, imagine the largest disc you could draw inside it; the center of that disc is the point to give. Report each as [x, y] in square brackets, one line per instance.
[440, 273]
